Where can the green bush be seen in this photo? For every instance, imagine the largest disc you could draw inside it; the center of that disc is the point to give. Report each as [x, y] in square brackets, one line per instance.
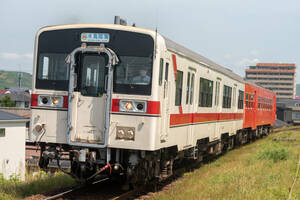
[273, 152]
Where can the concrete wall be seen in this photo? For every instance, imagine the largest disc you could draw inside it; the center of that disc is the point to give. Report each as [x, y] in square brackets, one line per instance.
[12, 149]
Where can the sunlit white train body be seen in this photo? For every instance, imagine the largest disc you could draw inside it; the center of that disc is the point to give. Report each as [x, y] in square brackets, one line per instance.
[126, 100]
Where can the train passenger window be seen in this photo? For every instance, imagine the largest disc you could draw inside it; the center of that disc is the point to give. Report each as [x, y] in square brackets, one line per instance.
[192, 89]
[188, 88]
[241, 100]
[227, 95]
[178, 94]
[258, 106]
[217, 93]
[205, 93]
[252, 101]
[247, 100]
[167, 72]
[161, 67]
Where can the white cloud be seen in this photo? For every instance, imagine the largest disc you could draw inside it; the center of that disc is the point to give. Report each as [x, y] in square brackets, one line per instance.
[246, 62]
[15, 56]
[254, 52]
[228, 56]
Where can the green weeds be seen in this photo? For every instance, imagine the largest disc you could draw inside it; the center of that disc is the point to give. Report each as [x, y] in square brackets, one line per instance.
[39, 183]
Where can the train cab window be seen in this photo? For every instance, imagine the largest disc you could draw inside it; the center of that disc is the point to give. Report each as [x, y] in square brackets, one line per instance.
[178, 94]
[192, 89]
[161, 67]
[241, 100]
[205, 93]
[217, 93]
[227, 95]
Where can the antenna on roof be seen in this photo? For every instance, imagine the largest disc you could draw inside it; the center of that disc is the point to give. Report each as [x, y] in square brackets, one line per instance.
[120, 21]
[155, 41]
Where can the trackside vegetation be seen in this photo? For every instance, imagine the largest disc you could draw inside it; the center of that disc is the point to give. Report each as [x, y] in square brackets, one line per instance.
[265, 169]
[39, 183]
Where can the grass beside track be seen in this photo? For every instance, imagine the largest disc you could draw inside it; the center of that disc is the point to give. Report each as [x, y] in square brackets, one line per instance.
[265, 169]
[39, 183]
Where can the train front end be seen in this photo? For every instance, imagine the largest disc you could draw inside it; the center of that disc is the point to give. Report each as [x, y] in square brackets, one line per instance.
[93, 100]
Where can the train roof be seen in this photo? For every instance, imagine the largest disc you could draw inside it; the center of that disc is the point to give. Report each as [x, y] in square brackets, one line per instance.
[173, 46]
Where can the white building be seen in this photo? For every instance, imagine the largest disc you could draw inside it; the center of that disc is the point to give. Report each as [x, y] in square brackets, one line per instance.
[12, 145]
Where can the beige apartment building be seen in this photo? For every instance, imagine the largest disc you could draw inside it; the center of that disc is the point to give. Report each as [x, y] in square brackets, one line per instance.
[278, 77]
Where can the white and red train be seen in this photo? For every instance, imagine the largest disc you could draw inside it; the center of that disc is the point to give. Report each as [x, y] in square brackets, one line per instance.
[126, 100]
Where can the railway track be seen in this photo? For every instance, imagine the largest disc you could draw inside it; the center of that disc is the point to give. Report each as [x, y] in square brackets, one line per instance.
[106, 189]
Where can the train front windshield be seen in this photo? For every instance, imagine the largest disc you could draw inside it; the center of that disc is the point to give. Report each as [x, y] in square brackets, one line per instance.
[133, 74]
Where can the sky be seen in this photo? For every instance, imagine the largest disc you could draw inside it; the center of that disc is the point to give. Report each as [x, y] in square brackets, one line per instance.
[232, 33]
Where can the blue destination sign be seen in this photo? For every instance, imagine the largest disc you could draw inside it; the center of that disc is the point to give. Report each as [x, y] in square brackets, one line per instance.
[95, 37]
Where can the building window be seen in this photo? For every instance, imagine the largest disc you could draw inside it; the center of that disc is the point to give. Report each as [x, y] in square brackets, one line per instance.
[227, 94]
[178, 94]
[241, 100]
[2, 132]
[205, 93]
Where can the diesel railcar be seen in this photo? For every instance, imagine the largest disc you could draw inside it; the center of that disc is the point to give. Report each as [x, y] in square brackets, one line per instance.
[121, 100]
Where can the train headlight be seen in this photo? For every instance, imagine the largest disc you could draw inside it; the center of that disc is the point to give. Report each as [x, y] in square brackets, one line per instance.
[56, 101]
[133, 106]
[50, 101]
[128, 106]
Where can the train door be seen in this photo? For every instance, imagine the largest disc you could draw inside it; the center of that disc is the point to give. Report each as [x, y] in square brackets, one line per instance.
[190, 102]
[89, 99]
[90, 96]
[218, 108]
[165, 102]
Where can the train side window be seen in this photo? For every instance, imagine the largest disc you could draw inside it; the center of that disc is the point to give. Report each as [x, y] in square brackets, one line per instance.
[227, 95]
[178, 94]
[188, 88]
[252, 100]
[241, 100]
[192, 89]
[167, 72]
[247, 100]
[161, 67]
[217, 93]
[258, 106]
[205, 93]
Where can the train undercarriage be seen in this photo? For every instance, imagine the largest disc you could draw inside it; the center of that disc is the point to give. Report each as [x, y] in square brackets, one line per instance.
[134, 167]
